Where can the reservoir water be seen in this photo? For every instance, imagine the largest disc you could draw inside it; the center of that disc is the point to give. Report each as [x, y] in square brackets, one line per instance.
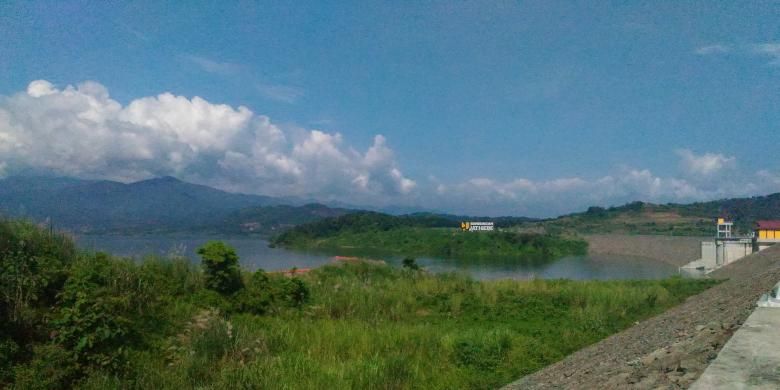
[254, 253]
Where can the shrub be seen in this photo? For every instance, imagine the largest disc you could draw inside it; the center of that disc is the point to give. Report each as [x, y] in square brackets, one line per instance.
[257, 297]
[220, 264]
[32, 268]
[292, 292]
[263, 293]
[52, 367]
[410, 263]
[8, 350]
[101, 305]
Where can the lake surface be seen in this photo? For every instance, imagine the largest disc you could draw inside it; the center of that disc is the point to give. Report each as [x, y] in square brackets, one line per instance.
[254, 253]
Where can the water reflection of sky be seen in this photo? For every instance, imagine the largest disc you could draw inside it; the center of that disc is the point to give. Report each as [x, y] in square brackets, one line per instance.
[255, 253]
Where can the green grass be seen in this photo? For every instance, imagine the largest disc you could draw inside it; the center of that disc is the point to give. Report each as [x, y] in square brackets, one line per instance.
[113, 323]
[370, 326]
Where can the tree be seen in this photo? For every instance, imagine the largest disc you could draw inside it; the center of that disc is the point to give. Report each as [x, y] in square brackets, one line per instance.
[220, 263]
[410, 263]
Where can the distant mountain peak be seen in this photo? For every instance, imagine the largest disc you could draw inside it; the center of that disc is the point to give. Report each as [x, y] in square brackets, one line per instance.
[166, 179]
[159, 180]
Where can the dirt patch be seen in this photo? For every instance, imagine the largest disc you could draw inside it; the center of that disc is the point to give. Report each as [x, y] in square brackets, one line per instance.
[671, 350]
[674, 250]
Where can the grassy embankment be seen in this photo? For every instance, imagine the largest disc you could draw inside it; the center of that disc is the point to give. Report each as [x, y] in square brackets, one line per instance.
[423, 237]
[72, 319]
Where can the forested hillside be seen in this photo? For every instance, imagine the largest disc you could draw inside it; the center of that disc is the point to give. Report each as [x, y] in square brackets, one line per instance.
[695, 219]
[424, 235]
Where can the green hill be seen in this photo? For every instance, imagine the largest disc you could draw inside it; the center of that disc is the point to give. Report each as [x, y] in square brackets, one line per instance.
[425, 235]
[161, 204]
[268, 220]
[695, 219]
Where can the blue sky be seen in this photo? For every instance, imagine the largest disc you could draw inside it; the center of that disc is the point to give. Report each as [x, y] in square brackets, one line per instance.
[531, 108]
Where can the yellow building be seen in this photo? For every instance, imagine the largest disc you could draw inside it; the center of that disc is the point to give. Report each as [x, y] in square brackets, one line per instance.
[768, 230]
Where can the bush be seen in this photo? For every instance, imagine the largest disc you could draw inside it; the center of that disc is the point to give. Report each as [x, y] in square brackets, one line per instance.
[52, 367]
[102, 304]
[32, 269]
[264, 293]
[410, 263]
[8, 350]
[293, 292]
[257, 297]
[220, 263]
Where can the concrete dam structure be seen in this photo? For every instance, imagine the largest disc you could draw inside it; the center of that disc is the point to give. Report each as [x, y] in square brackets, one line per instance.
[727, 247]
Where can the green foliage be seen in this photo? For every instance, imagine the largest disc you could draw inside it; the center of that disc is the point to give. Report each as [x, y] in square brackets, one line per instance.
[220, 264]
[744, 211]
[100, 305]
[8, 352]
[257, 296]
[52, 367]
[119, 324]
[695, 219]
[33, 266]
[410, 263]
[631, 218]
[293, 292]
[369, 326]
[410, 235]
[268, 293]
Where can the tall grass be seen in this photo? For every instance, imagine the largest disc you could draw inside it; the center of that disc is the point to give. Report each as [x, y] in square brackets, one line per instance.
[370, 326]
[97, 322]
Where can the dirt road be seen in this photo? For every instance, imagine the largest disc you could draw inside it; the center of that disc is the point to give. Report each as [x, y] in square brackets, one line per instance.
[671, 350]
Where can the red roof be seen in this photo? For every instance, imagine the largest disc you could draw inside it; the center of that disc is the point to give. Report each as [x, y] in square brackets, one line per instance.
[773, 225]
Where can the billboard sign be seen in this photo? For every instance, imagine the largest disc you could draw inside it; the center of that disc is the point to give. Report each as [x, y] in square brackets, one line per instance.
[477, 226]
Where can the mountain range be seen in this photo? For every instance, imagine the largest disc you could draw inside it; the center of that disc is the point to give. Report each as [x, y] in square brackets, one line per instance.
[159, 204]
[167, 204]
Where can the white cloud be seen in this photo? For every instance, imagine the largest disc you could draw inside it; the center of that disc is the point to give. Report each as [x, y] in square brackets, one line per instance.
[272, 91]
[80, 131]
[771, 49]
[40, 88]
[713, 49]
[212, 66]
[544, 198]
[281, 93]
[704, 164]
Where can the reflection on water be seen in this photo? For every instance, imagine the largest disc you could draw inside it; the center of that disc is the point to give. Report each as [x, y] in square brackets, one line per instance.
[255, 253]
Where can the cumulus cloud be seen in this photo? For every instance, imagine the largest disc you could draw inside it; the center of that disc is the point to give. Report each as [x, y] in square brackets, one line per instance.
[544, 198]
[704, 164]
[80, 131]
[713, 49]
